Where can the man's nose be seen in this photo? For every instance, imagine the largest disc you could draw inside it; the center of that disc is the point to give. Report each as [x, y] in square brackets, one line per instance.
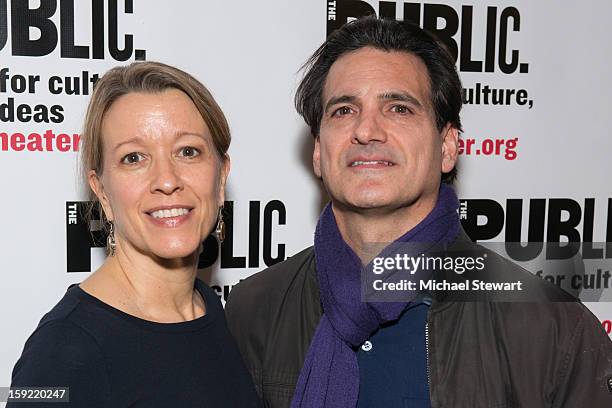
[166, 177]
[368, 128]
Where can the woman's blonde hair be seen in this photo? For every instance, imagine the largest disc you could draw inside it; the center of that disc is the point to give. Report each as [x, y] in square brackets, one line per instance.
[147, 77]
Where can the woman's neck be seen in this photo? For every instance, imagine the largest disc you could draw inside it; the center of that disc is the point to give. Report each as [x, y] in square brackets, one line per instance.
[152, 289]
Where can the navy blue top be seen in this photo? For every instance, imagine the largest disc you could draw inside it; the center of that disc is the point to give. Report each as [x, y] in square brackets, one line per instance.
[393, 363]
[109, 358]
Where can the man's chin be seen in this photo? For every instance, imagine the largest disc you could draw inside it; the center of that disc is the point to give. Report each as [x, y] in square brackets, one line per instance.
[373, 202]
[366, 204]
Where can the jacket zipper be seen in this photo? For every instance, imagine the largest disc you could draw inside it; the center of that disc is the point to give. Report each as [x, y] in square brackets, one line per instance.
[427, 353]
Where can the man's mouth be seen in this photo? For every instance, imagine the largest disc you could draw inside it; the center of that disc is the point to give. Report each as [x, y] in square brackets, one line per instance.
[371, 163]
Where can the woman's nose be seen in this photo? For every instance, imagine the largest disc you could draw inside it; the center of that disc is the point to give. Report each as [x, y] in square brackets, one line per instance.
[166, 178]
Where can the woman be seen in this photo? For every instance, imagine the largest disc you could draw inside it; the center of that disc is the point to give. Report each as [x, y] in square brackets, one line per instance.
[143, 331]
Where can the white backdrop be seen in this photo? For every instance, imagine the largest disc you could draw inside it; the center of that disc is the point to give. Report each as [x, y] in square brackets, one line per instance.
[248, 54]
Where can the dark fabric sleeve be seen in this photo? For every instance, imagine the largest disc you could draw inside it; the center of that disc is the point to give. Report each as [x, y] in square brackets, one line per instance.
[247, 312]
[586, 372]
[61, 354]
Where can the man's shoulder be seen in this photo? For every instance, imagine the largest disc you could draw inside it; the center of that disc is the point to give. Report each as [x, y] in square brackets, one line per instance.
[272, 316]
[534, 288]
[276, 288]
[541, 305]
[498, 268]
[275, 280]
[270, 299]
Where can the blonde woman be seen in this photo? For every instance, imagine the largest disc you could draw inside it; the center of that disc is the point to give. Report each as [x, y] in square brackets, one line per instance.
[143, 331]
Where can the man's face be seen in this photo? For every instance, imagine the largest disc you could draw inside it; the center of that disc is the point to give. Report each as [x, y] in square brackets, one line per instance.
[378, 146]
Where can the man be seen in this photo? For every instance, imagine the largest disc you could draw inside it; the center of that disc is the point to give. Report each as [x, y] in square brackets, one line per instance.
[382, 99]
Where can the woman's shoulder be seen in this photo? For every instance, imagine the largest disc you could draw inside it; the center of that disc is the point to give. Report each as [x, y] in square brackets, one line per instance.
[60, 348]
[60, 340]
[75, 313]
[59, 353]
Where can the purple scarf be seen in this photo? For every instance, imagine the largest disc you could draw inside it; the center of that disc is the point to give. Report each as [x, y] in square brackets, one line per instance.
[330, 376]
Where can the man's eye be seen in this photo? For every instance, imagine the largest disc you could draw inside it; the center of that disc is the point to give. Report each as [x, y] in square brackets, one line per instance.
[189, 151]
[400, 109]
[132, 158]
[345, 110]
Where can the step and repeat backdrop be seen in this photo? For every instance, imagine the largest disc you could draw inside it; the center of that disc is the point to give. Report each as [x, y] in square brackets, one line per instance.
[534, 160]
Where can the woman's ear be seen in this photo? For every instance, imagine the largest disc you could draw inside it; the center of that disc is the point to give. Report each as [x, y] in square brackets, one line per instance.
[225, 169]
[98, 188]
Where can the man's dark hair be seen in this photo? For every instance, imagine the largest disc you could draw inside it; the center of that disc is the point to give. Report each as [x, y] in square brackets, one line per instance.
[389, 35]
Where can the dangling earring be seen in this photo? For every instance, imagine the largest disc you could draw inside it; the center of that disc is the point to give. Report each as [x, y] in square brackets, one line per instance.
[220, 228]
[110, 240]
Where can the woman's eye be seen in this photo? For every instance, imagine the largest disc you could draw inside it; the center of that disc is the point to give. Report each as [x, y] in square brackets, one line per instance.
[345, 110]
[132, 158]
[189, 151]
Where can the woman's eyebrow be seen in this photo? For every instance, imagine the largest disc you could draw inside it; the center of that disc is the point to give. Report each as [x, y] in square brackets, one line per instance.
[135, 139]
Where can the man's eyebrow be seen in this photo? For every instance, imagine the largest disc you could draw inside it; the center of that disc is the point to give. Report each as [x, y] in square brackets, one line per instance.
[387, 96]
[339, 99]
[401, 96]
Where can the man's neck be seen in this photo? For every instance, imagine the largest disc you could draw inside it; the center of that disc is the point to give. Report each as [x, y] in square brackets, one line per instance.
[361, 229]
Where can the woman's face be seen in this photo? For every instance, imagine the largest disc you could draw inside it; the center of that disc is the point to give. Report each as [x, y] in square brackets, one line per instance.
[162, 181]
